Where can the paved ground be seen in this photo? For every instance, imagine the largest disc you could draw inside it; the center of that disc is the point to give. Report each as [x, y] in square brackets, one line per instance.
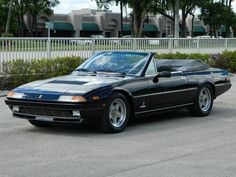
[169, 145]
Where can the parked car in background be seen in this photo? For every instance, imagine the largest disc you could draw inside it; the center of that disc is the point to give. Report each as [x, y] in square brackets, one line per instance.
[81, 41]
[99, 39]
[154, 42]
[127, 39]
[115, 40]
[97, 36]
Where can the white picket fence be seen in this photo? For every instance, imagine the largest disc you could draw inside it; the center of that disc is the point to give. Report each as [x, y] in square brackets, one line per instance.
[38, 48]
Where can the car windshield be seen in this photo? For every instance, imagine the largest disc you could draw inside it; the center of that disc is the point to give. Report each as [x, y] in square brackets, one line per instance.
[125, 63]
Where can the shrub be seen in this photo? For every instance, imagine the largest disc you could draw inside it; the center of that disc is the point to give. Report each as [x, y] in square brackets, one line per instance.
[18, 72]
[204, 57]
[229, 58]
[7, 35]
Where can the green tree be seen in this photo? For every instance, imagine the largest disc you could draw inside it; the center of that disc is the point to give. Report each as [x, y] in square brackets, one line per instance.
[35, 7]
[167, 9]
[20, 8]
[216, 14]
[164, 7]
[104, 4]
[139, 10]
[8, 17]
[8, 22]
[3, 14]
[187, 7]
[228, 6]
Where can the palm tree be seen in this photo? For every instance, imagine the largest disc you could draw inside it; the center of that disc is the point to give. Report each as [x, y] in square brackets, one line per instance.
[123, 3]
[8, 18]
[35, 7]
[176, 35]
[104, 4]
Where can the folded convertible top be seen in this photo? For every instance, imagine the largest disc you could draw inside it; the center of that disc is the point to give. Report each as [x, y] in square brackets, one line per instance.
[188, 65]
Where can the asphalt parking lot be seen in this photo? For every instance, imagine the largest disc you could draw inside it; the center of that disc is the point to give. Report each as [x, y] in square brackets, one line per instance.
[166, 145]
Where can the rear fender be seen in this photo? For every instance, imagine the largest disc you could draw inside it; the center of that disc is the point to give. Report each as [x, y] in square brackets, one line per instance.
[211, 84]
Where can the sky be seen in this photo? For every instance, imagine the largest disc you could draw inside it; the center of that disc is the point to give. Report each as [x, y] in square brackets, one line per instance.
[66, 6]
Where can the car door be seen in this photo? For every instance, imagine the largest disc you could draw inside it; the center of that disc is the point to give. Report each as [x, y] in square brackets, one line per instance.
[167, 92]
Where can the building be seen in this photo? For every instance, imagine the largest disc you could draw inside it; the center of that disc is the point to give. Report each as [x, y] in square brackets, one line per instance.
[87, 22]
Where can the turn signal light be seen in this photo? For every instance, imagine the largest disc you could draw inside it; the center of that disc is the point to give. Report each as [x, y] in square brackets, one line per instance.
[10, 94]
[78, 99]
[96, 98]
[75, 99]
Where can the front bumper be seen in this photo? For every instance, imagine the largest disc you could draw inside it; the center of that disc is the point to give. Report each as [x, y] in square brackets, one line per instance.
[56, 112]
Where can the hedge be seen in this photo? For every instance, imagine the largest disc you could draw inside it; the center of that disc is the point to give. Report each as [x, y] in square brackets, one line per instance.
[18, 72]
[226, 60]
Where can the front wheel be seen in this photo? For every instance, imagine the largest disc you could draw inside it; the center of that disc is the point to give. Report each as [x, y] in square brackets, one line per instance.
[116, 114]
[203, 103]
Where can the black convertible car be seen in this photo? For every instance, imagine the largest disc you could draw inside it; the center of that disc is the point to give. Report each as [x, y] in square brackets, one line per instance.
[111, 87]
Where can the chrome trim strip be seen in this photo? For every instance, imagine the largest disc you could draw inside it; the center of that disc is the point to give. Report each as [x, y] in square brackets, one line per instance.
[177, 72]
[174, 91]
[217, 85]
[54, 117]
[160, 109]
[55, 120]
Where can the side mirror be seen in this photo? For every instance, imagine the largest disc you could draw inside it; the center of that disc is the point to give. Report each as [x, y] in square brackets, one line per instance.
[161, 74]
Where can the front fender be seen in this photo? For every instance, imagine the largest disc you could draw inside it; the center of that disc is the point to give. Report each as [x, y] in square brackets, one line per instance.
[120, 89]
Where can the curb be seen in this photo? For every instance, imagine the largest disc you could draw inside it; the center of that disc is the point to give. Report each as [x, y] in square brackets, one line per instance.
[3, 93]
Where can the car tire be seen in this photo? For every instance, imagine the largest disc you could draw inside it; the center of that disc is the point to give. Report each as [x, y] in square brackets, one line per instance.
[203, 103]
[39, 123]
[116, 114]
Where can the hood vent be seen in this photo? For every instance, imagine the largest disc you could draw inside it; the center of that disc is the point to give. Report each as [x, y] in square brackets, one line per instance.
[68, 82]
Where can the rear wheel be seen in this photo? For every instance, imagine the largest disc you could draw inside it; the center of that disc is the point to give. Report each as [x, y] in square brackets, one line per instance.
[116, 114]
[204, 102]
[39, 123]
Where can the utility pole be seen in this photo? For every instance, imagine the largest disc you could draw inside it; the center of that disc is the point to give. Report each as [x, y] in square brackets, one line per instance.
[8, 18]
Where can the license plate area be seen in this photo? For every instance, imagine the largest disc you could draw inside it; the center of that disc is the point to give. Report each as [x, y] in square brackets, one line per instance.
[44, 118]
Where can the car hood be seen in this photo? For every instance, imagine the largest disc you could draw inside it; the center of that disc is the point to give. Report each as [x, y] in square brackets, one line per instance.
[51, 89]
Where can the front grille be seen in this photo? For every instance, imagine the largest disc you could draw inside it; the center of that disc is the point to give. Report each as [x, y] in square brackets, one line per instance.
[45, 112]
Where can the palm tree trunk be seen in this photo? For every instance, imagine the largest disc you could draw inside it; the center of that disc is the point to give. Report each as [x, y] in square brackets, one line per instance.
[176, 19]
[121, 18]
[192, 30]
[183, 26]
[137, 19]
[8, 18]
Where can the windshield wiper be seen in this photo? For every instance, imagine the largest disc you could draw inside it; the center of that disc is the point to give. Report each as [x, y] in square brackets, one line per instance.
[83, 70]
[109, 71]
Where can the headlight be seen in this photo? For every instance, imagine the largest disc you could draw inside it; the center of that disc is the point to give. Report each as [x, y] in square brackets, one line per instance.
[75, 99]
[15, 95]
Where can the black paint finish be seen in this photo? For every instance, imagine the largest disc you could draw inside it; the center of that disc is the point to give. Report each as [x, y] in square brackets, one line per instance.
[145, 96]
